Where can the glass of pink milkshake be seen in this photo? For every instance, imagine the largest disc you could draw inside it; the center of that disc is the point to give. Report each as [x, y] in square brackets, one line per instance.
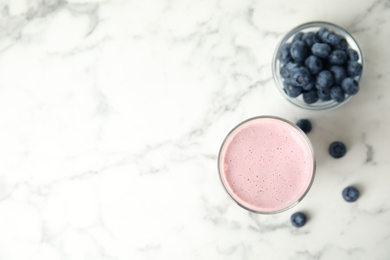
[266, 164]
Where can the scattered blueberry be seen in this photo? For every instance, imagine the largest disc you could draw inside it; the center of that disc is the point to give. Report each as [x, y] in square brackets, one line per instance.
[337, 149]
[299, 51]
[300, 76]
[324, 80]
[354, 68]
[337, 94]
[350, 194]
[324, 94]
[321, 50]
[338, 57]
[353, 55]
[298, 219]
[350, 86]
[314, 64]
[310, 96]
[305, 125]
[339, 73]
[284, 53]
[291, 90]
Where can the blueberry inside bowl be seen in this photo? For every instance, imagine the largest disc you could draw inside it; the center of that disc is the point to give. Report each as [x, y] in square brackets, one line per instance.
[318, 66]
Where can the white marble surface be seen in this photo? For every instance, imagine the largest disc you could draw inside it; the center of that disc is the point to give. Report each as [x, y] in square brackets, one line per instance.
[112, 113]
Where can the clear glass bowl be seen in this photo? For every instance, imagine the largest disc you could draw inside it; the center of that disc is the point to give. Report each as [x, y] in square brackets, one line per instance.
[314, 27]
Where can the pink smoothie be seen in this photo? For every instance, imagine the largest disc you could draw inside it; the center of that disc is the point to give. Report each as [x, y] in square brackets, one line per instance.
[266, 164]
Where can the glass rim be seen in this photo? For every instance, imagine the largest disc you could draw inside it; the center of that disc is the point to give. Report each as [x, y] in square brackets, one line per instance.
[311, 150]
[326, 105]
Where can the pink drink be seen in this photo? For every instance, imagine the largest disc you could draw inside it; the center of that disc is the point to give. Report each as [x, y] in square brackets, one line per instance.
[266, 164]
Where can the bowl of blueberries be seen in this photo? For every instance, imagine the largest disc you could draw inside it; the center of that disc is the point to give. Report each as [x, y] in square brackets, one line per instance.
[318, 66]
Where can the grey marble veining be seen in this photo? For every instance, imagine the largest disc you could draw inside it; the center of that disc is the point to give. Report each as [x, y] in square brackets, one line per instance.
[112, 114]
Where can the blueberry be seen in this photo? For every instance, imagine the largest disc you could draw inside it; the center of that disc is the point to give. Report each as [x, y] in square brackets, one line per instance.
[284, 72]
[337, 94]
[291, 90]
[334, 38]
[324, 80]
[352, 55]
[331, 38]
[309, 86]
[343, 45]
[310, 96]
[310, 38]
[300, 76]
[314, 64]
[350, 86]
[324, 94]
[305, 125]
[298, 219]
[321, 50]
[324, 36]
[337, 149]
[350, 194]
[299, 51]
[292, 65]
[284, 55]
[322, 31]
[339, 73]
[298, 36]
[337, 57]
[354, 68]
